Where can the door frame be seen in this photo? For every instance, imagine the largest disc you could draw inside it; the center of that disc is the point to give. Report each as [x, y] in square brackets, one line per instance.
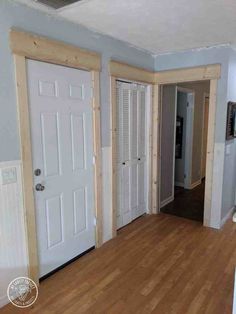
[205, 95]
[121, 71]
[189, 139]
[170, 198]
[30, 46]
[211, 73]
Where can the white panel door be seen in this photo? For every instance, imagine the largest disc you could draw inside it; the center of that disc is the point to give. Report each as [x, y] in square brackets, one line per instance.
[62, 148]
[131, 161]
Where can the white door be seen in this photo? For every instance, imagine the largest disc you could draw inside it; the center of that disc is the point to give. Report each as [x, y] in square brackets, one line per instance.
[62, 148]
[131, 160]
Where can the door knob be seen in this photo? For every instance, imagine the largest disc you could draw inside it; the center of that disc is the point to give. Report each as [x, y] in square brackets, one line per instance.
[39, 187]
[37, 172]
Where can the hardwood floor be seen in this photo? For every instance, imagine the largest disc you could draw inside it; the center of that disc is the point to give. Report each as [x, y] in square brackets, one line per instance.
[158, 264]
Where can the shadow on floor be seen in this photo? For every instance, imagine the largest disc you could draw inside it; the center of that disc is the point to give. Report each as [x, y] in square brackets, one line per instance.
[187, 203]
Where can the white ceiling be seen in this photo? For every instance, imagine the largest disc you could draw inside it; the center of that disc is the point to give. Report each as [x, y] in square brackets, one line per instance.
[159, 26]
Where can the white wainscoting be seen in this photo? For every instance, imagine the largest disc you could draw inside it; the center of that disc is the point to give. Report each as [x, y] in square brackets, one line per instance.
[234, 301]
[107, 193]
[13, 257]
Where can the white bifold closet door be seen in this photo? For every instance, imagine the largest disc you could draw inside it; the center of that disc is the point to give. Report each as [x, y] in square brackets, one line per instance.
[131, 152]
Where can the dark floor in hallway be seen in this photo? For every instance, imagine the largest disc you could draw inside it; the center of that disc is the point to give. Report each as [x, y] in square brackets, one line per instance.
[187, 203]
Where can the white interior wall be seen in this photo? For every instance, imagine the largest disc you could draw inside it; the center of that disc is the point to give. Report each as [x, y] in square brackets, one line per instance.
[229, 184]
[180, 162]
[199, 88]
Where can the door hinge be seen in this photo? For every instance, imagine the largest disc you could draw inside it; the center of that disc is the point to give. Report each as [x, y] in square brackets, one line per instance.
[94, 159]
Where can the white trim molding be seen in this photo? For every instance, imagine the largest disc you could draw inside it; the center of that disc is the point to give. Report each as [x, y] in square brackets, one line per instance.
[181, 184]
[195, 184]
[227, 216]
[167, 201]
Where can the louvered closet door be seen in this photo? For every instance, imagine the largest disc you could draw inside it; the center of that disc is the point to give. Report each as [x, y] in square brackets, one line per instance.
[131, 117]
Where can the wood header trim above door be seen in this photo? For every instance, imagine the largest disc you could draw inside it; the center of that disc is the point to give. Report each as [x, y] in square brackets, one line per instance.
[208, 72]
[132, 73]
[33, 46]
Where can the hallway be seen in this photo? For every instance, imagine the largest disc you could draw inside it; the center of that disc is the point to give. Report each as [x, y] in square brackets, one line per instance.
[187, 203]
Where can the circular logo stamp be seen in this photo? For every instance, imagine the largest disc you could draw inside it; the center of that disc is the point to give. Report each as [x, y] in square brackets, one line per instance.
[22, 292]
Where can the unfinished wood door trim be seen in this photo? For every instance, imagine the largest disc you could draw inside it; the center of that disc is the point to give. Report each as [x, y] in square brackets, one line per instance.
[205, 95]
[154, 150]
[131, 73]
[98, 157]
[208, 211]
[114, 152]
[27, 166]
[201, 73]
[37, 47]
[114, 156]
[26, 147]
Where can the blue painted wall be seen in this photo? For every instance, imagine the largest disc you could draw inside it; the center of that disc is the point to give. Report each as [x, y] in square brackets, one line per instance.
[229, 184]
[31, 20]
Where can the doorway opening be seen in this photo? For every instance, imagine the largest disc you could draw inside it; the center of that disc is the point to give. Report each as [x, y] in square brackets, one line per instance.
[184, 128]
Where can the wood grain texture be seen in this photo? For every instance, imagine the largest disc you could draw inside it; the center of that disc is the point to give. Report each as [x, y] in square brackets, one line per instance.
[131, 73]
[42, 48]
[154, 187]
[210, 153]
[158, 264]
[98, 158]
[206, 72]
[27, 166]
[114, 155]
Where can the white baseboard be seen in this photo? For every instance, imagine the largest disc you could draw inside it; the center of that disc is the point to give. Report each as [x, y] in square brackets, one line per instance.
[167, 201]
[227, 216]
[179, 184]
[234, 301]
[195, 184]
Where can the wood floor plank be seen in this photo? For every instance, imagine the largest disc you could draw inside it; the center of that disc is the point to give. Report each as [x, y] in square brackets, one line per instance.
[158, 264]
